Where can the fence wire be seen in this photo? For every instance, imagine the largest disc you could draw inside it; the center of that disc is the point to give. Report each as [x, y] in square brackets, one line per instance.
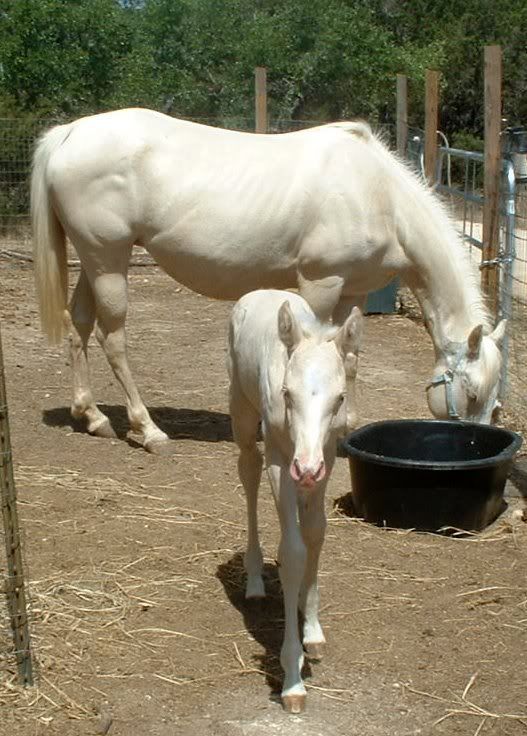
[17, 139]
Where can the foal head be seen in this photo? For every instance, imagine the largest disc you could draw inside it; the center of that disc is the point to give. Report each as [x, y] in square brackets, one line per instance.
[321, 362]
[466, 378]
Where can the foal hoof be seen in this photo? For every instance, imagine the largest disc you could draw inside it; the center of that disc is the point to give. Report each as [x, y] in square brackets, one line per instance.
[255, 589]
[159, 447]
[105, 430]
[294, 703]
[314, 651]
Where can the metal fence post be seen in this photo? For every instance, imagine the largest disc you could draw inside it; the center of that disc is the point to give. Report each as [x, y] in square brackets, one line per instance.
[15, 590]
[507, 274]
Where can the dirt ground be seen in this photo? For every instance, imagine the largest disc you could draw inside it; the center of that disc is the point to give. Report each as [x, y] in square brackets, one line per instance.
[134, 562]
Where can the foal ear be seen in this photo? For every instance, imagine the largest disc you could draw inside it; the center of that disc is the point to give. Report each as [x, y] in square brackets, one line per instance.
[348, 338]
[474, 342]
[289, 330]
[499, 332]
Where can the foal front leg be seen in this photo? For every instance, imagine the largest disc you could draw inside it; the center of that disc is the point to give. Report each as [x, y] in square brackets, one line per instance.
[292, 562]
[312, 517]
[244, 420]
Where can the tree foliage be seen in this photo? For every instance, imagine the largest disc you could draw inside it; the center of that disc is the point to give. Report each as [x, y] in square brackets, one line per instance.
[327, 59]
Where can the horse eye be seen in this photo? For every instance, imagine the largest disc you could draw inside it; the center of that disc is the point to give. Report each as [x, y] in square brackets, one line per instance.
[340, 400]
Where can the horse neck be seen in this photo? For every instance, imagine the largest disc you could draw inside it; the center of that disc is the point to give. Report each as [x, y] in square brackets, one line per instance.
[440, 274]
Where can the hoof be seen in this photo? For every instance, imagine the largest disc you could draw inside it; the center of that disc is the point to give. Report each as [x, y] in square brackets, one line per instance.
[314, 651]
[294, 703]
[159, 447]
[255, 590]
[255, 597]
[105, 430]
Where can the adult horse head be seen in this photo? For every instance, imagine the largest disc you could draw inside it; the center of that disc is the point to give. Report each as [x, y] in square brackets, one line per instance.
[465, 381]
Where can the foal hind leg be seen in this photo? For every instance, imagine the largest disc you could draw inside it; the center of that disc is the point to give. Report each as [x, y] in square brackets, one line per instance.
[245, 420]
[82, 319]
[110, 292]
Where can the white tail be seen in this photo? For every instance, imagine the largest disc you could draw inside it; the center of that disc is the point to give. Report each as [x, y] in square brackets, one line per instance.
[49, 241]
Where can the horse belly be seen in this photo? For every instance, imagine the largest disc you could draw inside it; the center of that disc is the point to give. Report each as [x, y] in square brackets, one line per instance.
[224, 270]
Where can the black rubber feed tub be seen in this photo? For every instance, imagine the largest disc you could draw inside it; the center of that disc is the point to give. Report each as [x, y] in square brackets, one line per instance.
[428, 474]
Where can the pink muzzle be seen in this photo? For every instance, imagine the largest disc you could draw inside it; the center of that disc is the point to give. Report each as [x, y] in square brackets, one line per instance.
[307, 477]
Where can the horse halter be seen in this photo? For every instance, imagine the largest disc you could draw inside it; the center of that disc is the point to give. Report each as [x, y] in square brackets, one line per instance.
[447, 377]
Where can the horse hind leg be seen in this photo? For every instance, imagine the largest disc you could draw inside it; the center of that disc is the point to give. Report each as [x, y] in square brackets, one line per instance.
[110, 292]
[82, 319]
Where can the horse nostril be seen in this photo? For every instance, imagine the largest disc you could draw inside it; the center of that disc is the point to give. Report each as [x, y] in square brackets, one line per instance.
[295, 470]
[320, 472]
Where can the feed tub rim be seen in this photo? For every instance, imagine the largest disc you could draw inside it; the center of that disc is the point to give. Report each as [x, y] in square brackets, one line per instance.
[506, 454]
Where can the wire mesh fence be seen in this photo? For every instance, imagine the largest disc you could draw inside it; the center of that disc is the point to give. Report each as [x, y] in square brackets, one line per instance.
[17, 139]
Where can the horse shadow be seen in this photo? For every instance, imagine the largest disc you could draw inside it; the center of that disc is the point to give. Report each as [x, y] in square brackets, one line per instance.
[179, 424]
[263, 618]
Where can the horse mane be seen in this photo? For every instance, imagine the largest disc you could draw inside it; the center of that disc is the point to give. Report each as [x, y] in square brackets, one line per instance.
[436, 211]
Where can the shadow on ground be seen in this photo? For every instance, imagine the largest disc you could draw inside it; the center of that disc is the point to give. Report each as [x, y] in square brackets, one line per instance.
[263, 618]
[179, 424]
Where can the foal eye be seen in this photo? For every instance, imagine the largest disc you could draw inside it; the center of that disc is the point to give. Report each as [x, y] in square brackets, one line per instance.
[340, 401]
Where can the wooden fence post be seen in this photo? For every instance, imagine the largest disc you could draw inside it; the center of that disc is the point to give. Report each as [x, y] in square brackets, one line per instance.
[402, 114]
[431, 124]
[15, 590]
[491, 205]
[260, 85]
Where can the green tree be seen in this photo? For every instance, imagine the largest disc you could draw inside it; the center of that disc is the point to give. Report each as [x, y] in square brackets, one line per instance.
[61, 56]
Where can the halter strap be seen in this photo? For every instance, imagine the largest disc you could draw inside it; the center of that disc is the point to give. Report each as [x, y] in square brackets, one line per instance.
[447, 378]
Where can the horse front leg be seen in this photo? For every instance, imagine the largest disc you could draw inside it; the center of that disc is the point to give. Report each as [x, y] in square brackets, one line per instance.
[111, 301]
[341, 313]
[322, 294]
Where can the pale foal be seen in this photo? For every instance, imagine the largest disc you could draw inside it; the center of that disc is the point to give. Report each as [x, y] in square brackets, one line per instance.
[292, 373]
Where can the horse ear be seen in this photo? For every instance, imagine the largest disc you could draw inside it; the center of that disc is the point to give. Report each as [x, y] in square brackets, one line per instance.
[474, 342]
[499, 332]
[348, 338]
[289, 330]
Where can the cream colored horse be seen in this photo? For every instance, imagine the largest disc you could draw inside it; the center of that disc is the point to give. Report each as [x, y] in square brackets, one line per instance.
[328, 210]
[291, 373]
